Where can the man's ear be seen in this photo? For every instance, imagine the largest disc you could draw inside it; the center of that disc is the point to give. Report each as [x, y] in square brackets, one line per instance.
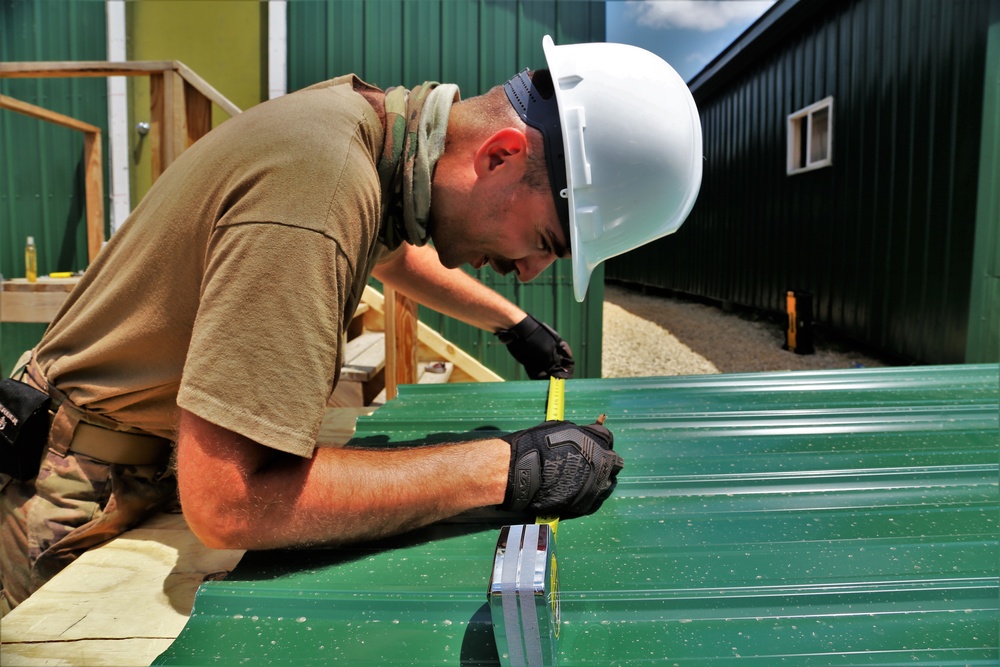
[505, 150]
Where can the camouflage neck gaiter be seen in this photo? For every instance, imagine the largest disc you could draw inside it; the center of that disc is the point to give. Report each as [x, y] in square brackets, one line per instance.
[415, 125]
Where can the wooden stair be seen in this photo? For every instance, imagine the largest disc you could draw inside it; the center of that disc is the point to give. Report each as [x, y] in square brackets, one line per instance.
[362, 377]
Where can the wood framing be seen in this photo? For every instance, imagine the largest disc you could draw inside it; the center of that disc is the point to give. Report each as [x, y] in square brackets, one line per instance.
[180, 100]
[429, 343]
[21, 301]
[400, 341]
[93, 165]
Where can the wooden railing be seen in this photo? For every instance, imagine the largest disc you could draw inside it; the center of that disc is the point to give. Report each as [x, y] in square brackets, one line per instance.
[180, 114]
[92, 160]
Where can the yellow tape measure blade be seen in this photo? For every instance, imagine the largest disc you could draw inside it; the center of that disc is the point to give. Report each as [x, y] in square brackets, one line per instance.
[551, 521]
[555, 409]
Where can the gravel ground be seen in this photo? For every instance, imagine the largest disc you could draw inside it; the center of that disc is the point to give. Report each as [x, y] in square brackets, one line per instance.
[655, 335]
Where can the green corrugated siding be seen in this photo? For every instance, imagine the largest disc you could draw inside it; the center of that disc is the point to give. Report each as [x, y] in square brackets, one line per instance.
[476, 44]
[984, 307]
[823, 518]
[41, 164]
[883, 238]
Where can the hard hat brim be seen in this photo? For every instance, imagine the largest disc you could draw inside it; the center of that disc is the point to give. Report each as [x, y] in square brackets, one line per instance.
[581, 269]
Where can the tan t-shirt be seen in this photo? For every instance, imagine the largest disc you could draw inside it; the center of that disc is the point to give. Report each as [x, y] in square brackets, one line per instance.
[227, 290]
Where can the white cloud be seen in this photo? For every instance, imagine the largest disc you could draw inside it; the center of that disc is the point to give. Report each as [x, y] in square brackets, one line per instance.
[703, 15]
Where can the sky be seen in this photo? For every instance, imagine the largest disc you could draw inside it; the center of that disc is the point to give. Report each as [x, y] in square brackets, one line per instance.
[688, 34]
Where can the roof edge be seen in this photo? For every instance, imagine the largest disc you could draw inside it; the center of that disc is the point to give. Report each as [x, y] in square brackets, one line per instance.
[773, 25]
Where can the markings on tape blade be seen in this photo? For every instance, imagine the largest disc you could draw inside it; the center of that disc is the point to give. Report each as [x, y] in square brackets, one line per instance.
[555, 410]
[556, 406]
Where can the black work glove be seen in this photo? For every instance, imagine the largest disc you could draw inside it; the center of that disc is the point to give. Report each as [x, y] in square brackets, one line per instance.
[560, 468]
[539, 349]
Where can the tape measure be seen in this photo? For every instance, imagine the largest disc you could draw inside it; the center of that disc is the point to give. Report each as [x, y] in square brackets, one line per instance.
[555, 409]
[556, 406]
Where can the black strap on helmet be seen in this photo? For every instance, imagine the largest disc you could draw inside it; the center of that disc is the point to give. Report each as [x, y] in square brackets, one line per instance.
[533, 98]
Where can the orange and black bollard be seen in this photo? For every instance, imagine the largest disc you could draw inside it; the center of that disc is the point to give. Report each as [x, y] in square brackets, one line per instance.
[799, 334]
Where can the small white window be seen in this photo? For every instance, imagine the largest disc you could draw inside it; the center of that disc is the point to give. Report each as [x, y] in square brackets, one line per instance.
[810, 137]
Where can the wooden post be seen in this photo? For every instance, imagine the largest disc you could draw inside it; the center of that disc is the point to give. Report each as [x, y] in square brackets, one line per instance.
[93, 178]
[157, 110]
[168, 122]
[177, 132]
[400, 342]
[198, 114]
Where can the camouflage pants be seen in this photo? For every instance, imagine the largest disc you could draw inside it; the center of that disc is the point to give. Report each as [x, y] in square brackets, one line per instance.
[75, 503]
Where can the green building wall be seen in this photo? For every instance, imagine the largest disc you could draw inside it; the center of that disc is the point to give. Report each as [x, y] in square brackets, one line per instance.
[885, 239]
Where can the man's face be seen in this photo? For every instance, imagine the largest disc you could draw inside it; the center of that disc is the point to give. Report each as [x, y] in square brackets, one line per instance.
[513, 229]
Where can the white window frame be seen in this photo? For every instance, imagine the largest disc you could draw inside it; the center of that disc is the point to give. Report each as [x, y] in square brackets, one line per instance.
[808, 125]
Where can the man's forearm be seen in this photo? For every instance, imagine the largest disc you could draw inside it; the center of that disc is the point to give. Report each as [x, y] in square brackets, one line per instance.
[351, 494]
[238, 494]
[417, 273]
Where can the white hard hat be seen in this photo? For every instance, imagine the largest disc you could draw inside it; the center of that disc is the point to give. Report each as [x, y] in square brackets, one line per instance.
[631, 136]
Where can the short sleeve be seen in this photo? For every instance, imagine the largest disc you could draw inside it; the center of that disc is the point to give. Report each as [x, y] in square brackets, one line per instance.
[265, 348]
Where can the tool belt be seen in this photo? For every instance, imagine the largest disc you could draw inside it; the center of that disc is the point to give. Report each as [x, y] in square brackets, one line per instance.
[73, 430]
[131, 449]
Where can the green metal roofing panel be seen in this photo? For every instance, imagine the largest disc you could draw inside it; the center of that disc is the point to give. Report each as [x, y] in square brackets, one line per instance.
[825, 518]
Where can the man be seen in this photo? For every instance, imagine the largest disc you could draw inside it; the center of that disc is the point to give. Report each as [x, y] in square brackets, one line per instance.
[213, 318]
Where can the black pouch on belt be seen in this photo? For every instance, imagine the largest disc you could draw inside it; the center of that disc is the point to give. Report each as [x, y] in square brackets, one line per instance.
[24, 428]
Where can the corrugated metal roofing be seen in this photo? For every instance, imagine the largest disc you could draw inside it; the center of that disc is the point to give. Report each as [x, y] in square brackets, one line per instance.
[832, 518]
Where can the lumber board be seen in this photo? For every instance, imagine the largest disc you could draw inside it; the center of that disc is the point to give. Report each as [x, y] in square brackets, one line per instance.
[94, 68]
[81, 68]
[21, 301]
[39, 307]
[41, 113]
[401, 341]
[205, 88]
[43, 284]
[364, 356]
[198, 114]
[125, 602]
[435, 372]
[339, 424]
[93, 183]
[122, 603]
